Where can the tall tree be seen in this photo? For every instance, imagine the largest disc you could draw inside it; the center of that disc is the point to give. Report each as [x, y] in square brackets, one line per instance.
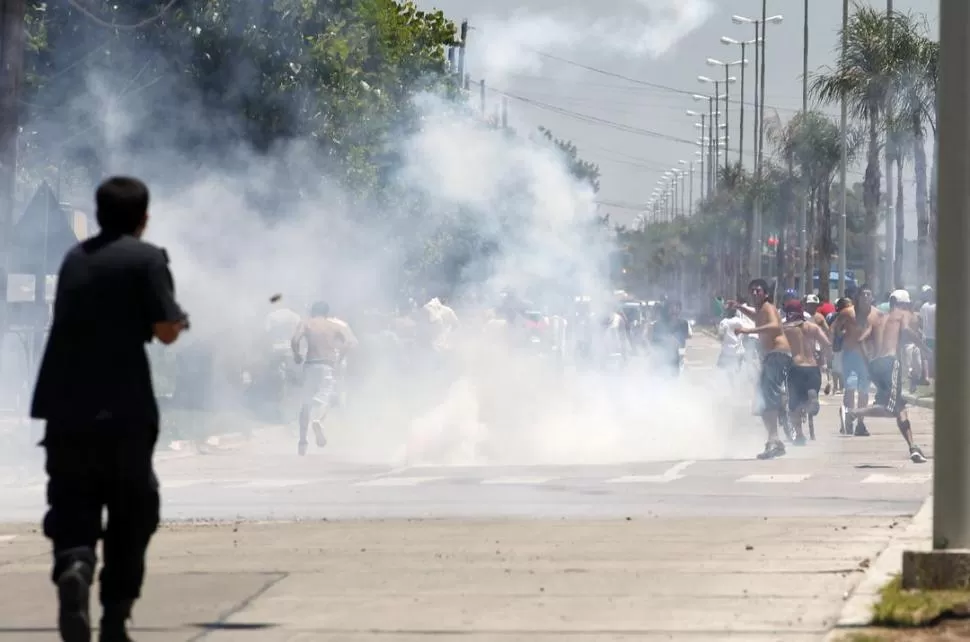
[583, 170]
[865, 75]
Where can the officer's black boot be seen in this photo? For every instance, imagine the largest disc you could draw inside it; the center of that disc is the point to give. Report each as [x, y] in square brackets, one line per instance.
[114, 620]
[73, 594]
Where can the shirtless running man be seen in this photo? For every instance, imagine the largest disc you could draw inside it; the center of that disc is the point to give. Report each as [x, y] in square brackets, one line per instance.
[854, 325]
[805, 376]
[328, 340]
[774, 364]
[892, 332]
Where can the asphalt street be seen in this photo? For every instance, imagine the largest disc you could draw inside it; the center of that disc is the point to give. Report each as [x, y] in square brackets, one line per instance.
[264, 479]
[263, 545]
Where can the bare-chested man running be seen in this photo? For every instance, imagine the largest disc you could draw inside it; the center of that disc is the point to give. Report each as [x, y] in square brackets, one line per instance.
[328, 340]
[775, 362]
[854, 325]
[892, 332]
[805, 376]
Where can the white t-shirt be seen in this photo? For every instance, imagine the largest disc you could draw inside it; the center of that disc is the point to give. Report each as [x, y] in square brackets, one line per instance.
[731, 344]
[927, 315]
[281, 324]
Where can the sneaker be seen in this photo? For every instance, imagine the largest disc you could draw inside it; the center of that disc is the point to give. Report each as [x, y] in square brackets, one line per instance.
[800, 440]
[301, 448]
[772, 450]
[73, 594]
[861, 430]
[828, 389]
[916, 455]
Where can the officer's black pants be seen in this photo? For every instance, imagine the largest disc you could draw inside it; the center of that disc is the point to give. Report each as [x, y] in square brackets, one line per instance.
[105, 464]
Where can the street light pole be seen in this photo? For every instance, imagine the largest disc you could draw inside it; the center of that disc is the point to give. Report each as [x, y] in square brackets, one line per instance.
[844, 161]
[803, 270]
[755, 255]
[951, 478]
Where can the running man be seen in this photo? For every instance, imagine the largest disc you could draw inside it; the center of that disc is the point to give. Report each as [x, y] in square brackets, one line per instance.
[892, 332]
[853, 327]
[328, 340]
[775, 363]
[813, 306]
[805, 376]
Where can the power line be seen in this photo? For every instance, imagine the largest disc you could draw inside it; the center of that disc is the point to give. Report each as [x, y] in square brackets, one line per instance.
[113, 25]
[646, 83]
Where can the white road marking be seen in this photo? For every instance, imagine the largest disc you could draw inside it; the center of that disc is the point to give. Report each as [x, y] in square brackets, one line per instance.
[518, 481]
[669, 475]
[273, 483]
[774, 479]
[916, 478]
[641, 479]
[7, 538]
[398, 481]
[184, 483]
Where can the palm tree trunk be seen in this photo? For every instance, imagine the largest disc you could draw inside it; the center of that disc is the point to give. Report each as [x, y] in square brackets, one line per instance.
[870, 199]
[810, 255]
[922, 210]
[900, 227]
[825, 244]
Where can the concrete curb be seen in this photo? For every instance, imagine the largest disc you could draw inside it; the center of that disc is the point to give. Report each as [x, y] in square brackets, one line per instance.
[858, 610]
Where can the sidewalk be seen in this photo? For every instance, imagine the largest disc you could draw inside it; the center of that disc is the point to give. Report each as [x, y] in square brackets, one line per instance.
[692, 580]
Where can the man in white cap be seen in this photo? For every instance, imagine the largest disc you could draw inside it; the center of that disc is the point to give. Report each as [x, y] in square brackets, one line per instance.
[892, 332]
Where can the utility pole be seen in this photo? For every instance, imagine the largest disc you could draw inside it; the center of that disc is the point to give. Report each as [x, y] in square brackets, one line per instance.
[505, 112]
[461, 52]
[890, 282]
[946, 566]
[844, 161]
[744, 63]
[482, 98]
[806, 277]
[11, 82]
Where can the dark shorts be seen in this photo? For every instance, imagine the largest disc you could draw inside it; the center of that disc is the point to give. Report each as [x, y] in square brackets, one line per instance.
[771, 383]
[887, 375]
[803, 380]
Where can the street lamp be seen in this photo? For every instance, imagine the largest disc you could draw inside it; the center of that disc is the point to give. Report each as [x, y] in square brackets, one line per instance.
[760, 31]
[717, 97]
[690, 168]
[710, 149]
[742, 63]
[759, 25]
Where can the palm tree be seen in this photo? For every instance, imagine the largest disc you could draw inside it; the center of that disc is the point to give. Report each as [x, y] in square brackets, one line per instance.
[865, 78]
[812, 141]
[915, 107]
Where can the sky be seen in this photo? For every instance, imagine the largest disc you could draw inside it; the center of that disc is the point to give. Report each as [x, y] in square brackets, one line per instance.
[581, 88]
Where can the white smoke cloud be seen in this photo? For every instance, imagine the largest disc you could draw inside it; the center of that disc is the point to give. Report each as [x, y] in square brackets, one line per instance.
[486, 404]
[651, 28]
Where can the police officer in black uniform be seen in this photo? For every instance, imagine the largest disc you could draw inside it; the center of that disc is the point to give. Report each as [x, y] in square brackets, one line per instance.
[94, 389]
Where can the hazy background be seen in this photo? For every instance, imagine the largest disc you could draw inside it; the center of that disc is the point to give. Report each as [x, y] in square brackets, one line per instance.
[631, 163]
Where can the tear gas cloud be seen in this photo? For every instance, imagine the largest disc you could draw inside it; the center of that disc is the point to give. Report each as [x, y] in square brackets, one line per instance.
[485, 402]
[638, 29]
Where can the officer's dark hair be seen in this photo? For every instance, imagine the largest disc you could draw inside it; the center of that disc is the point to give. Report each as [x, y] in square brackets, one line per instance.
[320, 309]
[122, 204]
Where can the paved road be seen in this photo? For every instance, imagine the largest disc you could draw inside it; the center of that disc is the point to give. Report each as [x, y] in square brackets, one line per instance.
[266, 480]
[700, 542]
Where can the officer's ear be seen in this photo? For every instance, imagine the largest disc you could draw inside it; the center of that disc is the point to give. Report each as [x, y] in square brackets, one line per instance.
[141, 226]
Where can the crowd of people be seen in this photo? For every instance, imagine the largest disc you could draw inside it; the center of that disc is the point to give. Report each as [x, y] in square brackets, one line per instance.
[851, 345]
[318, 361]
